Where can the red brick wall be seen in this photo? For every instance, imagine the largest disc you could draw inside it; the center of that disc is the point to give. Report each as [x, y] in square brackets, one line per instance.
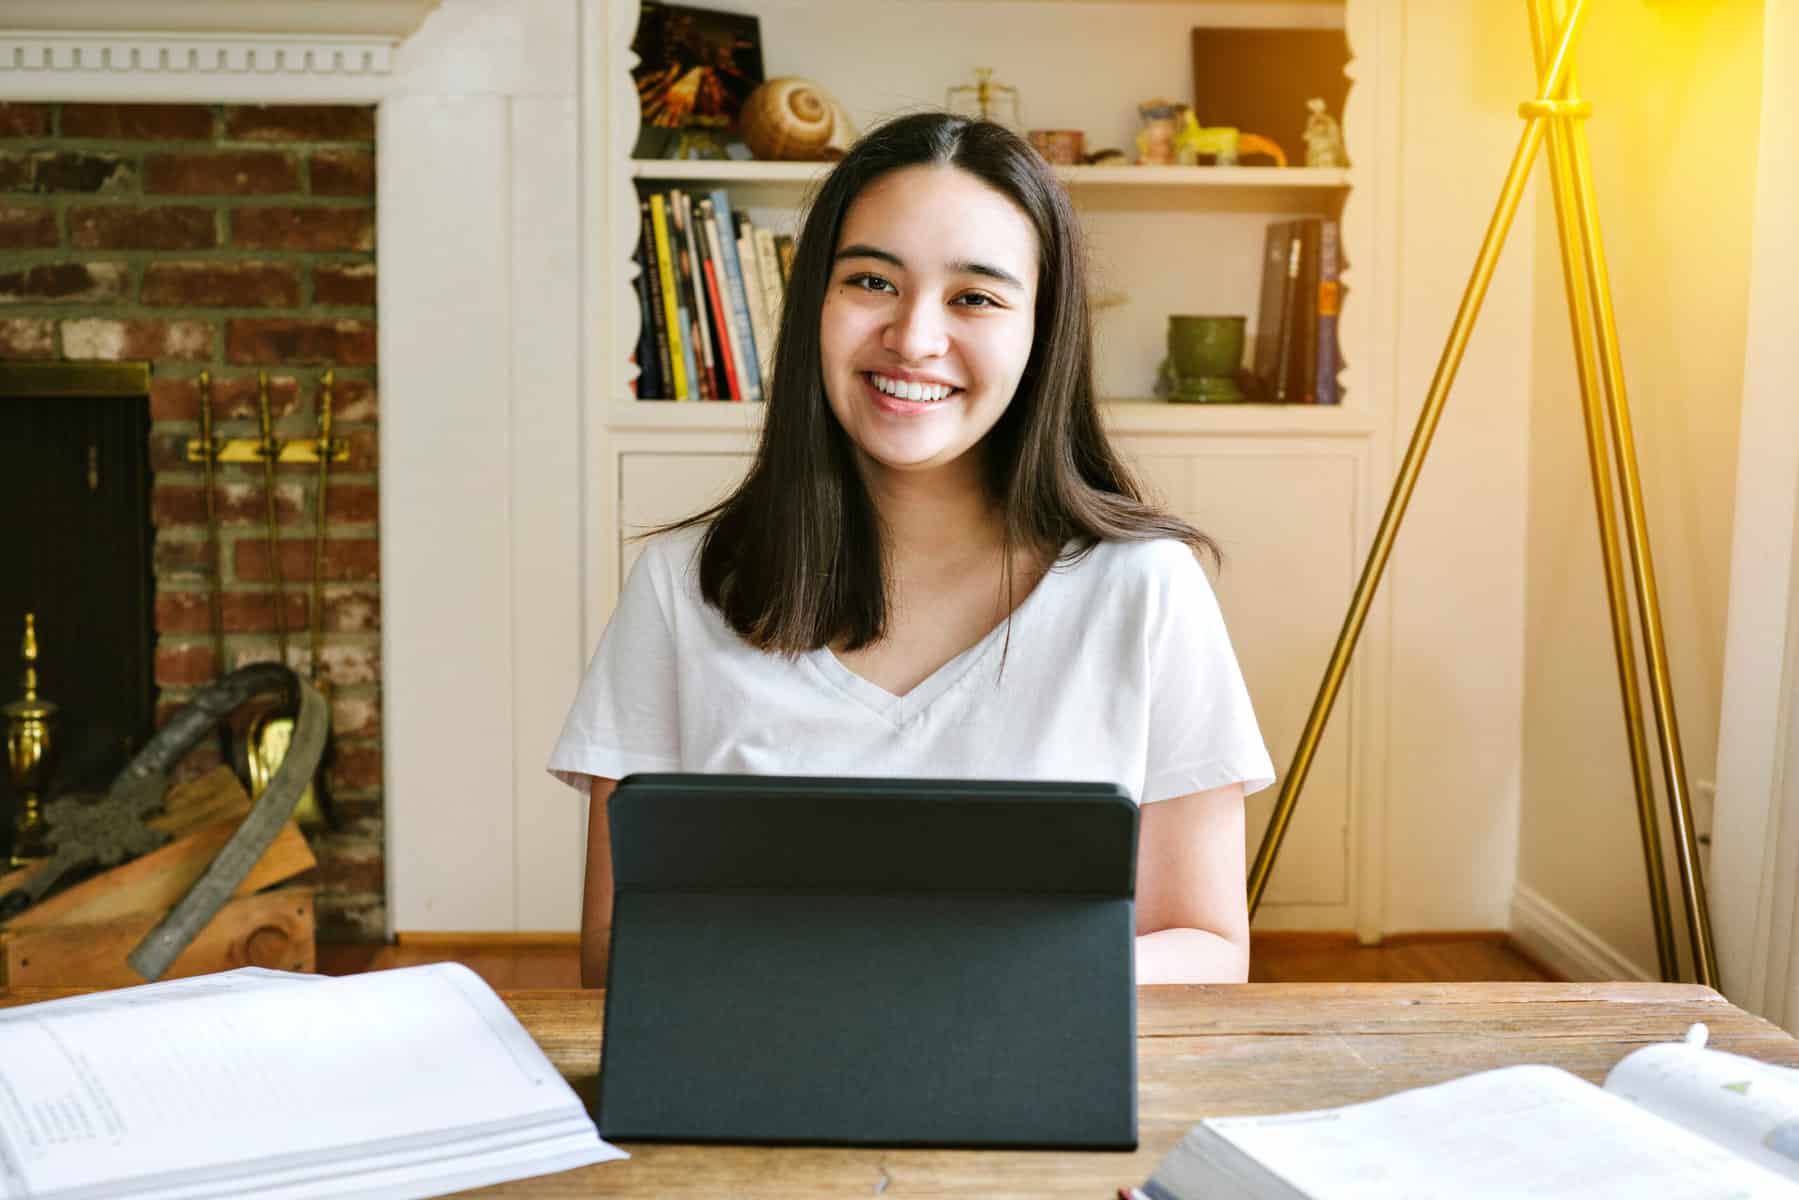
[233, 238]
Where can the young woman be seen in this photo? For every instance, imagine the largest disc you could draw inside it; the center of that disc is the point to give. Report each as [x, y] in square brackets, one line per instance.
[936, 565]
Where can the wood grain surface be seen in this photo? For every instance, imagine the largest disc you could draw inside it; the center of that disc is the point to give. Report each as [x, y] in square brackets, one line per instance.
[1202, 1051]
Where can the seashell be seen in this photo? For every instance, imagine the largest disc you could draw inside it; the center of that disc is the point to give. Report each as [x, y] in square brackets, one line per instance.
[794, 120]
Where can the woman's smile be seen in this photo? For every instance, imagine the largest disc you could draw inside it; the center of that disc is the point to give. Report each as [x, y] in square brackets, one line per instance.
[907, 397]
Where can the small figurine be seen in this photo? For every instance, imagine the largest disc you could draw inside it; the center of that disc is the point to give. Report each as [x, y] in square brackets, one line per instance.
[1155, 140]
[1172, 135]
[1324, 138]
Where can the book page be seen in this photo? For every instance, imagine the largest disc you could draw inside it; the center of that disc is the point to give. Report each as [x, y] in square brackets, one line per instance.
[274, 1076]
[1748, 1107]
[243, 979]
[1528, 1131]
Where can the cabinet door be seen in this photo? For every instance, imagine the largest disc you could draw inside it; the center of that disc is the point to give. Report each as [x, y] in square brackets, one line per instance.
[658, 486]
[1285, 521]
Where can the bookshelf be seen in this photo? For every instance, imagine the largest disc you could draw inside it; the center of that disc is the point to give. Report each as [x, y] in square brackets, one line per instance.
[1293, 492]
[1123, 197]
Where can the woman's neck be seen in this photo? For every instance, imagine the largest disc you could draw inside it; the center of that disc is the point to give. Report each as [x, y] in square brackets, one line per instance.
[943, 516]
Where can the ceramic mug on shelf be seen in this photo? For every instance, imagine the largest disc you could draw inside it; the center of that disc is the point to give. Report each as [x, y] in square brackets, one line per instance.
[1062, 146]
[1204, 356]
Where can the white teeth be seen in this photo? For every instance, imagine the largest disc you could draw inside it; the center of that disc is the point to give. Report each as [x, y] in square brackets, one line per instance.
[915, 392]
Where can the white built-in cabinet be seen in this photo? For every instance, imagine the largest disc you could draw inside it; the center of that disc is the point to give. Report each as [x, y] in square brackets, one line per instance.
[1292, 493]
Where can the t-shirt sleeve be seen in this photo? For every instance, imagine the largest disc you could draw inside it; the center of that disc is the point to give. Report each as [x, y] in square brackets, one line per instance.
[625, 716]
[1202, 727]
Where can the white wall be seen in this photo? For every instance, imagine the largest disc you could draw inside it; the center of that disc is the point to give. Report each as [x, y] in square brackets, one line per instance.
[1457, 593]
[1676, 90]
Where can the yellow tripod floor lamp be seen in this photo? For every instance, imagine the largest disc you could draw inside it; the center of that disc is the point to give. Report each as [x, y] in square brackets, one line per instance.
[1555, 113]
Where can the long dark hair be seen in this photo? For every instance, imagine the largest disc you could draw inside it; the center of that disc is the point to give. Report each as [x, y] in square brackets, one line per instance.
[794, 558]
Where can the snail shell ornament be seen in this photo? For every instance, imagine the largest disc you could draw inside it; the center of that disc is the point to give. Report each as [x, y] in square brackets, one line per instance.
[794, 120]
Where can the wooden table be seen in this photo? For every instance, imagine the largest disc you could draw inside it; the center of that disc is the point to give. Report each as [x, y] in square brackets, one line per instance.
[1202, 1051]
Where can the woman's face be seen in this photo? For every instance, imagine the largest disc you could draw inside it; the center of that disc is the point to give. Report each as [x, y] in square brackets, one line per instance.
[929, 317]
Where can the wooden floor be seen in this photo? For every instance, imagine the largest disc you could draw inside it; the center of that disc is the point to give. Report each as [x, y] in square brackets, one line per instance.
[522, 961]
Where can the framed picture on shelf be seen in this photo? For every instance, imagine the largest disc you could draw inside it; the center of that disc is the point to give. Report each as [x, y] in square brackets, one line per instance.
[696, 66]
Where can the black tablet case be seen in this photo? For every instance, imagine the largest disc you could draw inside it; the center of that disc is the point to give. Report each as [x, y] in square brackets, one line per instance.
[871, 962]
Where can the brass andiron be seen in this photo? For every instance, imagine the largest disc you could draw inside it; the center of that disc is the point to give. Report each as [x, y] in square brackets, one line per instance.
[29, 755]
[1556, 113]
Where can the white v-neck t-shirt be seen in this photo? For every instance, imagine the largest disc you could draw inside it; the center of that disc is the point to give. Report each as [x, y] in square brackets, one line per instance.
[1116, 668]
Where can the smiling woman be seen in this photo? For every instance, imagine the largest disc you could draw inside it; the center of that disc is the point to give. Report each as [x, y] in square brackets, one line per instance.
[929, 321]
[937, 566]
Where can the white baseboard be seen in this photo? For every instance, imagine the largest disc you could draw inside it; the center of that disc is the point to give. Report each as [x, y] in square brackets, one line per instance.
[1563, 944]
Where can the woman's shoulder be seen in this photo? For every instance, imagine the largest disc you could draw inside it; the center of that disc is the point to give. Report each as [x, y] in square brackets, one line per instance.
[671, 556]
[1150, 561]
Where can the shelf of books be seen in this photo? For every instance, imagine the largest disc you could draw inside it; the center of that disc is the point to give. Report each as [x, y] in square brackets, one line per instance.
[712, 267]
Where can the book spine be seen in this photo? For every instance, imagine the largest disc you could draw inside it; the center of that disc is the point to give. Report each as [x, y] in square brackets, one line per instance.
[774, 292]
[649, 382]
[736, 322]
[1330, 299]
[693, 286]
[740, 305]
[721, 386]
[752, 286]
[671, 311]
[1305, 323]
[784, 248]
[1283, 358]
[1264, 360]
[718, 315]
[652, 274]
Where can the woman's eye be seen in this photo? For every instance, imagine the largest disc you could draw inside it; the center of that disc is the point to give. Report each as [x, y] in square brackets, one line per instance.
[976, 300]
[869, 283]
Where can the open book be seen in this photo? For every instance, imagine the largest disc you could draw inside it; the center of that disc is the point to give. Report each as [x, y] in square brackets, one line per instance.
[1674, 1121]
[403, 1083]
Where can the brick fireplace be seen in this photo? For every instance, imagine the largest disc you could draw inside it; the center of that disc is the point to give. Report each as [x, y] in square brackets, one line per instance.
[491, 193]
[233, 238]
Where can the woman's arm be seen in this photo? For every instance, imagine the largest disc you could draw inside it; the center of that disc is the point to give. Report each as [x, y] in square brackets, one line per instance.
[596, 892]
[1192, 906]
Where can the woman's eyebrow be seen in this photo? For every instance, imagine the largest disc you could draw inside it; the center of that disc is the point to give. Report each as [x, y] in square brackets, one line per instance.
[959, 267]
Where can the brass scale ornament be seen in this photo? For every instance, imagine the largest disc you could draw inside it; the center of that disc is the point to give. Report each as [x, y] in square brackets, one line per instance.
[1556, 112]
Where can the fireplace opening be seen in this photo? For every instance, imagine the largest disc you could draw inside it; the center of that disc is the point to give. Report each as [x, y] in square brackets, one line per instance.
[75, 488]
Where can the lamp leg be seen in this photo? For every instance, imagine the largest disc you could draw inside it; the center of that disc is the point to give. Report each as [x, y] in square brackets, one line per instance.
[1674, 775]
[1569, 232]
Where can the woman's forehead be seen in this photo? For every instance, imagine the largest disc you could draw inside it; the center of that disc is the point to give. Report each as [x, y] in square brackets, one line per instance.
[940, 216]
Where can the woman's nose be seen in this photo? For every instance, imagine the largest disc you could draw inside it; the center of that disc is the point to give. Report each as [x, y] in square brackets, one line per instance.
[917, 332]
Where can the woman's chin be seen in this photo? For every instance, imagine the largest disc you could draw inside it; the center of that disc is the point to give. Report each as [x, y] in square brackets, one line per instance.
[910, 456]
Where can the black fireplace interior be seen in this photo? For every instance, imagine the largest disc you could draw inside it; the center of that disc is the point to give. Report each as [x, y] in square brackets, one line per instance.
[75, 507]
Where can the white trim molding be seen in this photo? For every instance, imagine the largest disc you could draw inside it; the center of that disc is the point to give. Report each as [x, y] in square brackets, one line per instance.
[1755, 837]
[383, 20]
[1563, 944]
[127, 39]
[199, 54]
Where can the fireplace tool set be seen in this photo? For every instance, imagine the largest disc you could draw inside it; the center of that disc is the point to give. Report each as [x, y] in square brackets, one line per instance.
[266, 741]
